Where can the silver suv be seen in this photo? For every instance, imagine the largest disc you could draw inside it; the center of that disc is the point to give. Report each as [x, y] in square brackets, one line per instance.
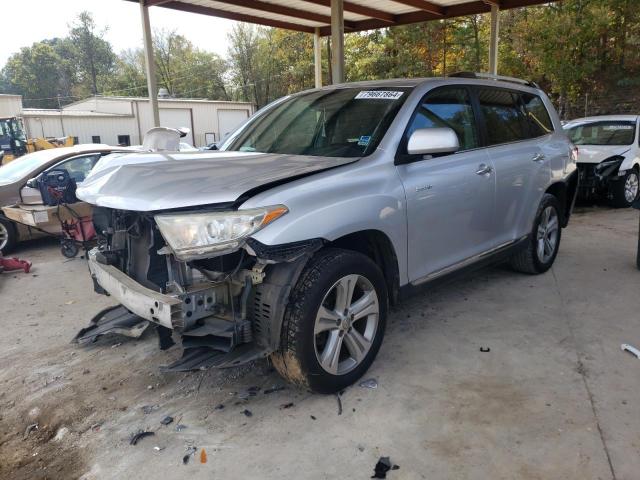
[322, 210]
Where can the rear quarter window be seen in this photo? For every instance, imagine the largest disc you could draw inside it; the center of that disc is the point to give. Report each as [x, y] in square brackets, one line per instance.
[537, 115]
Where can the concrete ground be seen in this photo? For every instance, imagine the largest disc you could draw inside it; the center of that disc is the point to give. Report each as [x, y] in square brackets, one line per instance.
[555, 398]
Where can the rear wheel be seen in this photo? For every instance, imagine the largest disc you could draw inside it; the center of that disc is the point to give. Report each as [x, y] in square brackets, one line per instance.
[543, 244]
[334, 323]
[625, 191]
[8, 235]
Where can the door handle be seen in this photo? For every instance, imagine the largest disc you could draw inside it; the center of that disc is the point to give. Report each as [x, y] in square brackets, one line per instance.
[484, 169]
[538, 157]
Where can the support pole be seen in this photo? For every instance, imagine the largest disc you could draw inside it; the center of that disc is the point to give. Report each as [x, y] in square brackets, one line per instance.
[337, 41]
[317, 57]
[495, 34]
[150, 64]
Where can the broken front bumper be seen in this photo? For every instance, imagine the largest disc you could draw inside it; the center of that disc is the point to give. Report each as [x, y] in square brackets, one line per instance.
[156, 307]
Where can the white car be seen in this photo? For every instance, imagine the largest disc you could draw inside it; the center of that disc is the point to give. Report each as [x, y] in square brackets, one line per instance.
[608, 156]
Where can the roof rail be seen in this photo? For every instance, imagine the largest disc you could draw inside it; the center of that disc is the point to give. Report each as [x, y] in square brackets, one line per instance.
[490, 76]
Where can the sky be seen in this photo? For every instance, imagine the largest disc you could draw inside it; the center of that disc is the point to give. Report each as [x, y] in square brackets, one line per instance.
[27, 21]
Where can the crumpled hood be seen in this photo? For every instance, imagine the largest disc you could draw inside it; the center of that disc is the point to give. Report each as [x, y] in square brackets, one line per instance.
[598, 153]
[159, 181]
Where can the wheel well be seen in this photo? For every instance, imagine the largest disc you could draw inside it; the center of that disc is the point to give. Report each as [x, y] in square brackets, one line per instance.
[559, 190]
[378, 247]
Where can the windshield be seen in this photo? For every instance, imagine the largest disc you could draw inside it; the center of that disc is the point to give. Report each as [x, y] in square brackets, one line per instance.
[602, 133]
[23, 166]
[343, 122]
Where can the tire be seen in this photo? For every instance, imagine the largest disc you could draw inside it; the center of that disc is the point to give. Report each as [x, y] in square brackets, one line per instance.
[307, 336]
[625, 191]
[8, 235]
[69, 249]
[531, 259]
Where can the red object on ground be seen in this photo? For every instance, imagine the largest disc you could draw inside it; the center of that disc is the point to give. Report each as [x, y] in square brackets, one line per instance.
[12, 264]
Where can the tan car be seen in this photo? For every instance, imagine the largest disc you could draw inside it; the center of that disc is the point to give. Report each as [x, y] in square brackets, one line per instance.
[77, 160]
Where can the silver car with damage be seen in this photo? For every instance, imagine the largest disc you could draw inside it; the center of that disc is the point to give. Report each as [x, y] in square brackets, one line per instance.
[322, 210]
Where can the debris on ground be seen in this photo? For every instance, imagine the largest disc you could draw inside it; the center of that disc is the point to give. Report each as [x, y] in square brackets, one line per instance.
[631, 349]
[166, 420]
[203, 456]
[339, 404]
[220, 406]
[485, 349]
[60, 434]
[180, 427]
[370, 383]
[95, 427]
[158, 449]
[136, 437]
[382, 467]
[29, 429]
[312, 417]
[247, 413]
[284, 406]
[274, 389]
[147, 409]
[191, 451]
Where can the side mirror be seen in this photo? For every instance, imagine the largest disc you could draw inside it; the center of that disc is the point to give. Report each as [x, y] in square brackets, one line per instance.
[32, 183]
[426, 141]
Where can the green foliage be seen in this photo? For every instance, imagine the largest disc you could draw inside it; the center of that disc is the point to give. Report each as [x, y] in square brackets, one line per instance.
[573, 48]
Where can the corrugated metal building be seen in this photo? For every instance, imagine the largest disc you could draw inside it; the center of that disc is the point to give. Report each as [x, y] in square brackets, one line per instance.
[124, 120]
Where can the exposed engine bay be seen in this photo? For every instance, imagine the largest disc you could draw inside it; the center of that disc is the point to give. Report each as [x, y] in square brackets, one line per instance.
[223, 308]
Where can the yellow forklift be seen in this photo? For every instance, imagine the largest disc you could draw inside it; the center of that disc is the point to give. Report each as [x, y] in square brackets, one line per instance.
[14, 143]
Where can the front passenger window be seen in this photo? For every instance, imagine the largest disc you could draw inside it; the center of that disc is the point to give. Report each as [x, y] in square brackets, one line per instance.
[78, 167]
[448, 107]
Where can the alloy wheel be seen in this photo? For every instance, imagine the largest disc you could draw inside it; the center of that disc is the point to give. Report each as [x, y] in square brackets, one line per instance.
[4, 236]
[631, 187]
[547, 235]
[346, 324]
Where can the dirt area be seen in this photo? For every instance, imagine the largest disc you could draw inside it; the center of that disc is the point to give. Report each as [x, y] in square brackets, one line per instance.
[555, 397]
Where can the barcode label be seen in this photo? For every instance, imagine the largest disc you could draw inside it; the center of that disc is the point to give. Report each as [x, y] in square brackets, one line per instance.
[379, 94]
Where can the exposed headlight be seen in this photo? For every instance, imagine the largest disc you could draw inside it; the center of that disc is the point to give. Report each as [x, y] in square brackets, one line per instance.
[197, 235]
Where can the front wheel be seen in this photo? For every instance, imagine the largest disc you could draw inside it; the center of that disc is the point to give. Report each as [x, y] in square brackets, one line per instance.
[625, 191]
[334, 322]
[8, 235]
[544, 241]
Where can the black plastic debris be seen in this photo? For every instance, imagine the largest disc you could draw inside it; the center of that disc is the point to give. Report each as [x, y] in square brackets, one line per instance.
[191, 451]
[249, 392]
[247, 413]
[220, 406]
[312, 417]
[382, 467]
[166, 420]
[485, 349]
[30, 429]
[274, 389]
[136, 437]
[339, 404]
[284, 406]
[180, 427]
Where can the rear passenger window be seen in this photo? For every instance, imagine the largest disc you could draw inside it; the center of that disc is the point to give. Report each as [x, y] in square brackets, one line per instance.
[504, 116]
[539, 121]
[447, 107]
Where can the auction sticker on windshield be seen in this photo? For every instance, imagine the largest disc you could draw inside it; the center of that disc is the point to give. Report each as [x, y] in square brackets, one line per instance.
[379, 94]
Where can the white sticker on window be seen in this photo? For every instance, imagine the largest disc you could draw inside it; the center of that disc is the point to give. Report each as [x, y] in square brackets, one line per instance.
[379, 94]
[618, 127]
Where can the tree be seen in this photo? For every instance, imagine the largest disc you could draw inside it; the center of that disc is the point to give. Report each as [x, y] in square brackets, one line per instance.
[94, 55]
[33, 72]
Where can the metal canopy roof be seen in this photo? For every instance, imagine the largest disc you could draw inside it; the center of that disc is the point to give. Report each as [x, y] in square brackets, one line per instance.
[307, 15]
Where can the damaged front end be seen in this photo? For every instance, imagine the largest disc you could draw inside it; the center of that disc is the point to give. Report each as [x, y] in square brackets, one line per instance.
[595, 178]
[200, 275]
